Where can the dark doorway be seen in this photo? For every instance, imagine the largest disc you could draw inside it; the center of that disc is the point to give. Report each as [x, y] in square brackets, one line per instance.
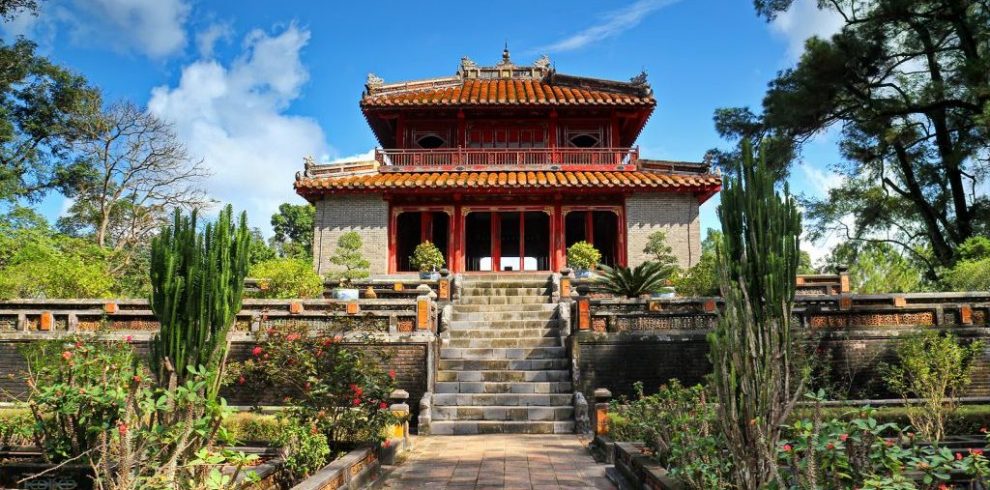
[415, 227]
[600, 228]
[478, 242]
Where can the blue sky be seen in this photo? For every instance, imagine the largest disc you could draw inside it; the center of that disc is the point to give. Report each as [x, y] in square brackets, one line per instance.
[254, 86]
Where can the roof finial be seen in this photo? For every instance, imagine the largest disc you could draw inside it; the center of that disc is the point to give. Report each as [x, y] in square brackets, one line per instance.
[505, 53]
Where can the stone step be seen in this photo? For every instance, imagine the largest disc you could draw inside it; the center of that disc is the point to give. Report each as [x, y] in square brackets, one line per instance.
[504, 376]
[503, 333]
[497, 324]
[501, 399]
[508, 353]
[495, 343]
[461, 427]
[506, 387]
[506, 281]
[488, 316]
[503, 364]
[504, 300]
[506, 291]
[480, 308]
[508, 413]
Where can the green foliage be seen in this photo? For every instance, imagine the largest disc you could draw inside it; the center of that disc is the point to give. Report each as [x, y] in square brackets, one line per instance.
[287, 278]
[661, 252]
[972, 272]
[859, 451]
[877, 268]
[75, 397]
[702, 278]
[16, 427]
[427, 257]
[197, 280]
[258, 249]
[645, 278]
[305, 449]
[679, 426]
[750, 349]
[933, 367]
[583, 256]
[293, 226]
[335, 387]
[44, 110]
[348, 255]
[907, 82]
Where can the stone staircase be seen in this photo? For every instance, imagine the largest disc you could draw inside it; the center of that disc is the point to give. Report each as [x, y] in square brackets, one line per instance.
[504, 368]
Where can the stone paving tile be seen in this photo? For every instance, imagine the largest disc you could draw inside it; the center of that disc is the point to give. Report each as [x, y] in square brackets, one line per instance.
[524, 462]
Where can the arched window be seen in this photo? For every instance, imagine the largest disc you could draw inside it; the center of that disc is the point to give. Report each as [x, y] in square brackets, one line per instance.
[430, 141]
[584, 140]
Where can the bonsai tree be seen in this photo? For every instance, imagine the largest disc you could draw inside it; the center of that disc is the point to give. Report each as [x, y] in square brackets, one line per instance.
[645, 278]
[348, 255]
[427, 257]
[583, 256]
[661, 253]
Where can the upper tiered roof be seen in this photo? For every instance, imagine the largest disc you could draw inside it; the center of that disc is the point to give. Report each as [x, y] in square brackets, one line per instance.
[506, 83]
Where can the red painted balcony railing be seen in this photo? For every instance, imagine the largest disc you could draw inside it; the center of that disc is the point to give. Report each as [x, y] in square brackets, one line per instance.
[510, 157]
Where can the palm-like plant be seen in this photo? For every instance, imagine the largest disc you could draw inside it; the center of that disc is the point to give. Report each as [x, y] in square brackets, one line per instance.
[645, 278]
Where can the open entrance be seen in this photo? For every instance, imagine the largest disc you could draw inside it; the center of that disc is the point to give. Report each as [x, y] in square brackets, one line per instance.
[415, 227]
[507, 241]
[599, 228]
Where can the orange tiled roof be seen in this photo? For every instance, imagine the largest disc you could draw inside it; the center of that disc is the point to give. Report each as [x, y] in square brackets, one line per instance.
[507, 91]
[431, 181]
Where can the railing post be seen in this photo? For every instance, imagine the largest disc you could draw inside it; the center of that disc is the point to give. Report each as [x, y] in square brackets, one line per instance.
[602, 397]
[397, 438]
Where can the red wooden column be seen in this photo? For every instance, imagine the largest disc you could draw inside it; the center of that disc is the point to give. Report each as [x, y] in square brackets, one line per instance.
[557, 239]
[393, 221]
[496, 241]
[457, 240]
[552, 143]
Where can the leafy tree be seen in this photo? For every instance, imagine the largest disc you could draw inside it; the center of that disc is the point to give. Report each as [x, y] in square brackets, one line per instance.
[908, 84]
[140, 173]
[972, 272]
[661, 252]
[258, 249]
[293, 226]
[44, 109]
[12, 8]
[287, 278]
[702, 278]
[877, 268]
[348, 255]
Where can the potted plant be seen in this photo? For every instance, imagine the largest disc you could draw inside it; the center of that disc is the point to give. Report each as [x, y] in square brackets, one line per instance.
[428, 259]
[355, 266]
[583, 256]
[645, 279]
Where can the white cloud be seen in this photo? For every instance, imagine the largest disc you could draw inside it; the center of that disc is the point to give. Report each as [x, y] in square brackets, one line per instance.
[234, 117]
[803, 20]
[613, 23]
[360, 157]
[207, 38]
[821, 181]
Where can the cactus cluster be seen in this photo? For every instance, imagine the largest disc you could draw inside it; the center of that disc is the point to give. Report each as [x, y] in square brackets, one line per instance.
[197, 283]
[751, 346]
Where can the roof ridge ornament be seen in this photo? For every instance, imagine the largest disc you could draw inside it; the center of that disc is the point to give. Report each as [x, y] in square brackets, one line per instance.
[542, 62]
[467, 63]
[506, 61]
[639, 79]
[374, 82]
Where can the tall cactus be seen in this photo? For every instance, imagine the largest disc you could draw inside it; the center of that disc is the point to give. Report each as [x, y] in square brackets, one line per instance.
[197, 282]
[751, 346]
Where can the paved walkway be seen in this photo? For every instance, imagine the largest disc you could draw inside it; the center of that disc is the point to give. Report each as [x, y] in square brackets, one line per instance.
[498, 461]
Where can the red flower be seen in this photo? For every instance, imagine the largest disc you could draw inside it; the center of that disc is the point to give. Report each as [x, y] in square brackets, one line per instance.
[830, 446]
[843, 437]
[356, 389]
[357, 401]
[122, 428]
[241, 380]
[136, 378]
[959, 456]
[382, 405]
[889, 442]
[256, 351]
[977, 452]
[129, 338]
[66, 355]
[787, 448]
[391, 373]
[387, 443]
[292, 337]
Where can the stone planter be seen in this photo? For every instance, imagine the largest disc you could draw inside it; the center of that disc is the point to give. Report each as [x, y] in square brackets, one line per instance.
[356, 469]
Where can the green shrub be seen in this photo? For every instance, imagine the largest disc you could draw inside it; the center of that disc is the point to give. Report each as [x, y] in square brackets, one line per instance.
[248, 427]
[661, 252]
[969, 275]
[348, 255]
[645, 278]
[583, 256]
[934, 367]
[304, 449]
[427, 257]
[286, 279]
[16, 427]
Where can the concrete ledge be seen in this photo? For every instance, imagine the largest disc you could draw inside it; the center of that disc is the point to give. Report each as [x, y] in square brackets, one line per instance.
[353, 470]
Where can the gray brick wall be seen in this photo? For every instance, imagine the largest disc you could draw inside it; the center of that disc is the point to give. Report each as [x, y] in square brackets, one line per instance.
[336, 215]
[675, 214]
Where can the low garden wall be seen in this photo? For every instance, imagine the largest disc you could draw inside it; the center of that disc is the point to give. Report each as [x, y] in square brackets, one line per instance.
[617, 342]
[402, 330]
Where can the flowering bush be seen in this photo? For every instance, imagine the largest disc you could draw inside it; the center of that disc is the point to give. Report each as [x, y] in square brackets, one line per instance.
[863, 453]
[677, 424]
[338, 389]
[77, 391]
[305, 450]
